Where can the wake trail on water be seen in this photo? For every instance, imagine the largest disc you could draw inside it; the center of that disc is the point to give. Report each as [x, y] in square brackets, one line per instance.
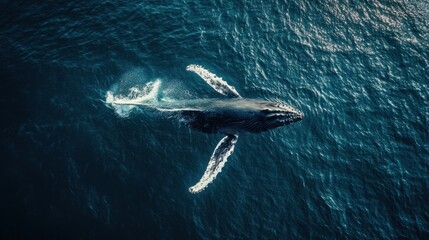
[145, 95]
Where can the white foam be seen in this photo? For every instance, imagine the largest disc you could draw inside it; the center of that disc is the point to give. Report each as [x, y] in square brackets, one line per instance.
[214, 81]
[218, 159]
[137, 95]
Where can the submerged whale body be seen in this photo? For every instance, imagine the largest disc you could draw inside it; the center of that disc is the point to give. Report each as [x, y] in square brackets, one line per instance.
[232, 116]
[229, 116]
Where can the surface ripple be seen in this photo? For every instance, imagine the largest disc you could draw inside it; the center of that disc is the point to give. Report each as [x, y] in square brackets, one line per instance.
[356, 167]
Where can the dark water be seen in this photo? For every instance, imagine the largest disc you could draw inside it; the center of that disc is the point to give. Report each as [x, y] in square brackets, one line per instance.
[356, 167]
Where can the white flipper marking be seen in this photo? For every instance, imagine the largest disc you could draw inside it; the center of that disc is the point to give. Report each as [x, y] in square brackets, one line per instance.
[214, 81]
[218, 159]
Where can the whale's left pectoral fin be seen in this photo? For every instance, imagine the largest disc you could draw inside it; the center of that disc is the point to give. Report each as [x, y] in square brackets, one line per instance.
[218, 159]
[214, 81]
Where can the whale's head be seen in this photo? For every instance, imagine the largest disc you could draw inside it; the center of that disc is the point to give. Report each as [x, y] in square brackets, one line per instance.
[276, 114]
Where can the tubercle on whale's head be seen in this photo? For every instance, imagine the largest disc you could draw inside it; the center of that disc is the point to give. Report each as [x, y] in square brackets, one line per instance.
[278, 114]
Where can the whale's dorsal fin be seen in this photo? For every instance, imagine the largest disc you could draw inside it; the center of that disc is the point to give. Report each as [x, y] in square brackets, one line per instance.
[214, 81]
[218, 159]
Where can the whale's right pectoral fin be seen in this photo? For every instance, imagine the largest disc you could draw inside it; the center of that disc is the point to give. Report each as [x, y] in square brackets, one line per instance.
[218, 159]
[214, 81]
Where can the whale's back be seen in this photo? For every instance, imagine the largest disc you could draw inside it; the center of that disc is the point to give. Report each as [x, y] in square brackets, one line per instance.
[227, 116]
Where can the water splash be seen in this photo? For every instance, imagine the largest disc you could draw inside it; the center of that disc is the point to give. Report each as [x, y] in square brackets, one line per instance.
[123, 104]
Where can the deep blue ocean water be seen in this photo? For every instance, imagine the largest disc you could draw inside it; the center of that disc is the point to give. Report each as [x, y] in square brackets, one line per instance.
[356, 167]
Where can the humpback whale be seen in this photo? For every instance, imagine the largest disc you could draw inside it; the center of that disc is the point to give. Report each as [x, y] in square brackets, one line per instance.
[229, 116]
